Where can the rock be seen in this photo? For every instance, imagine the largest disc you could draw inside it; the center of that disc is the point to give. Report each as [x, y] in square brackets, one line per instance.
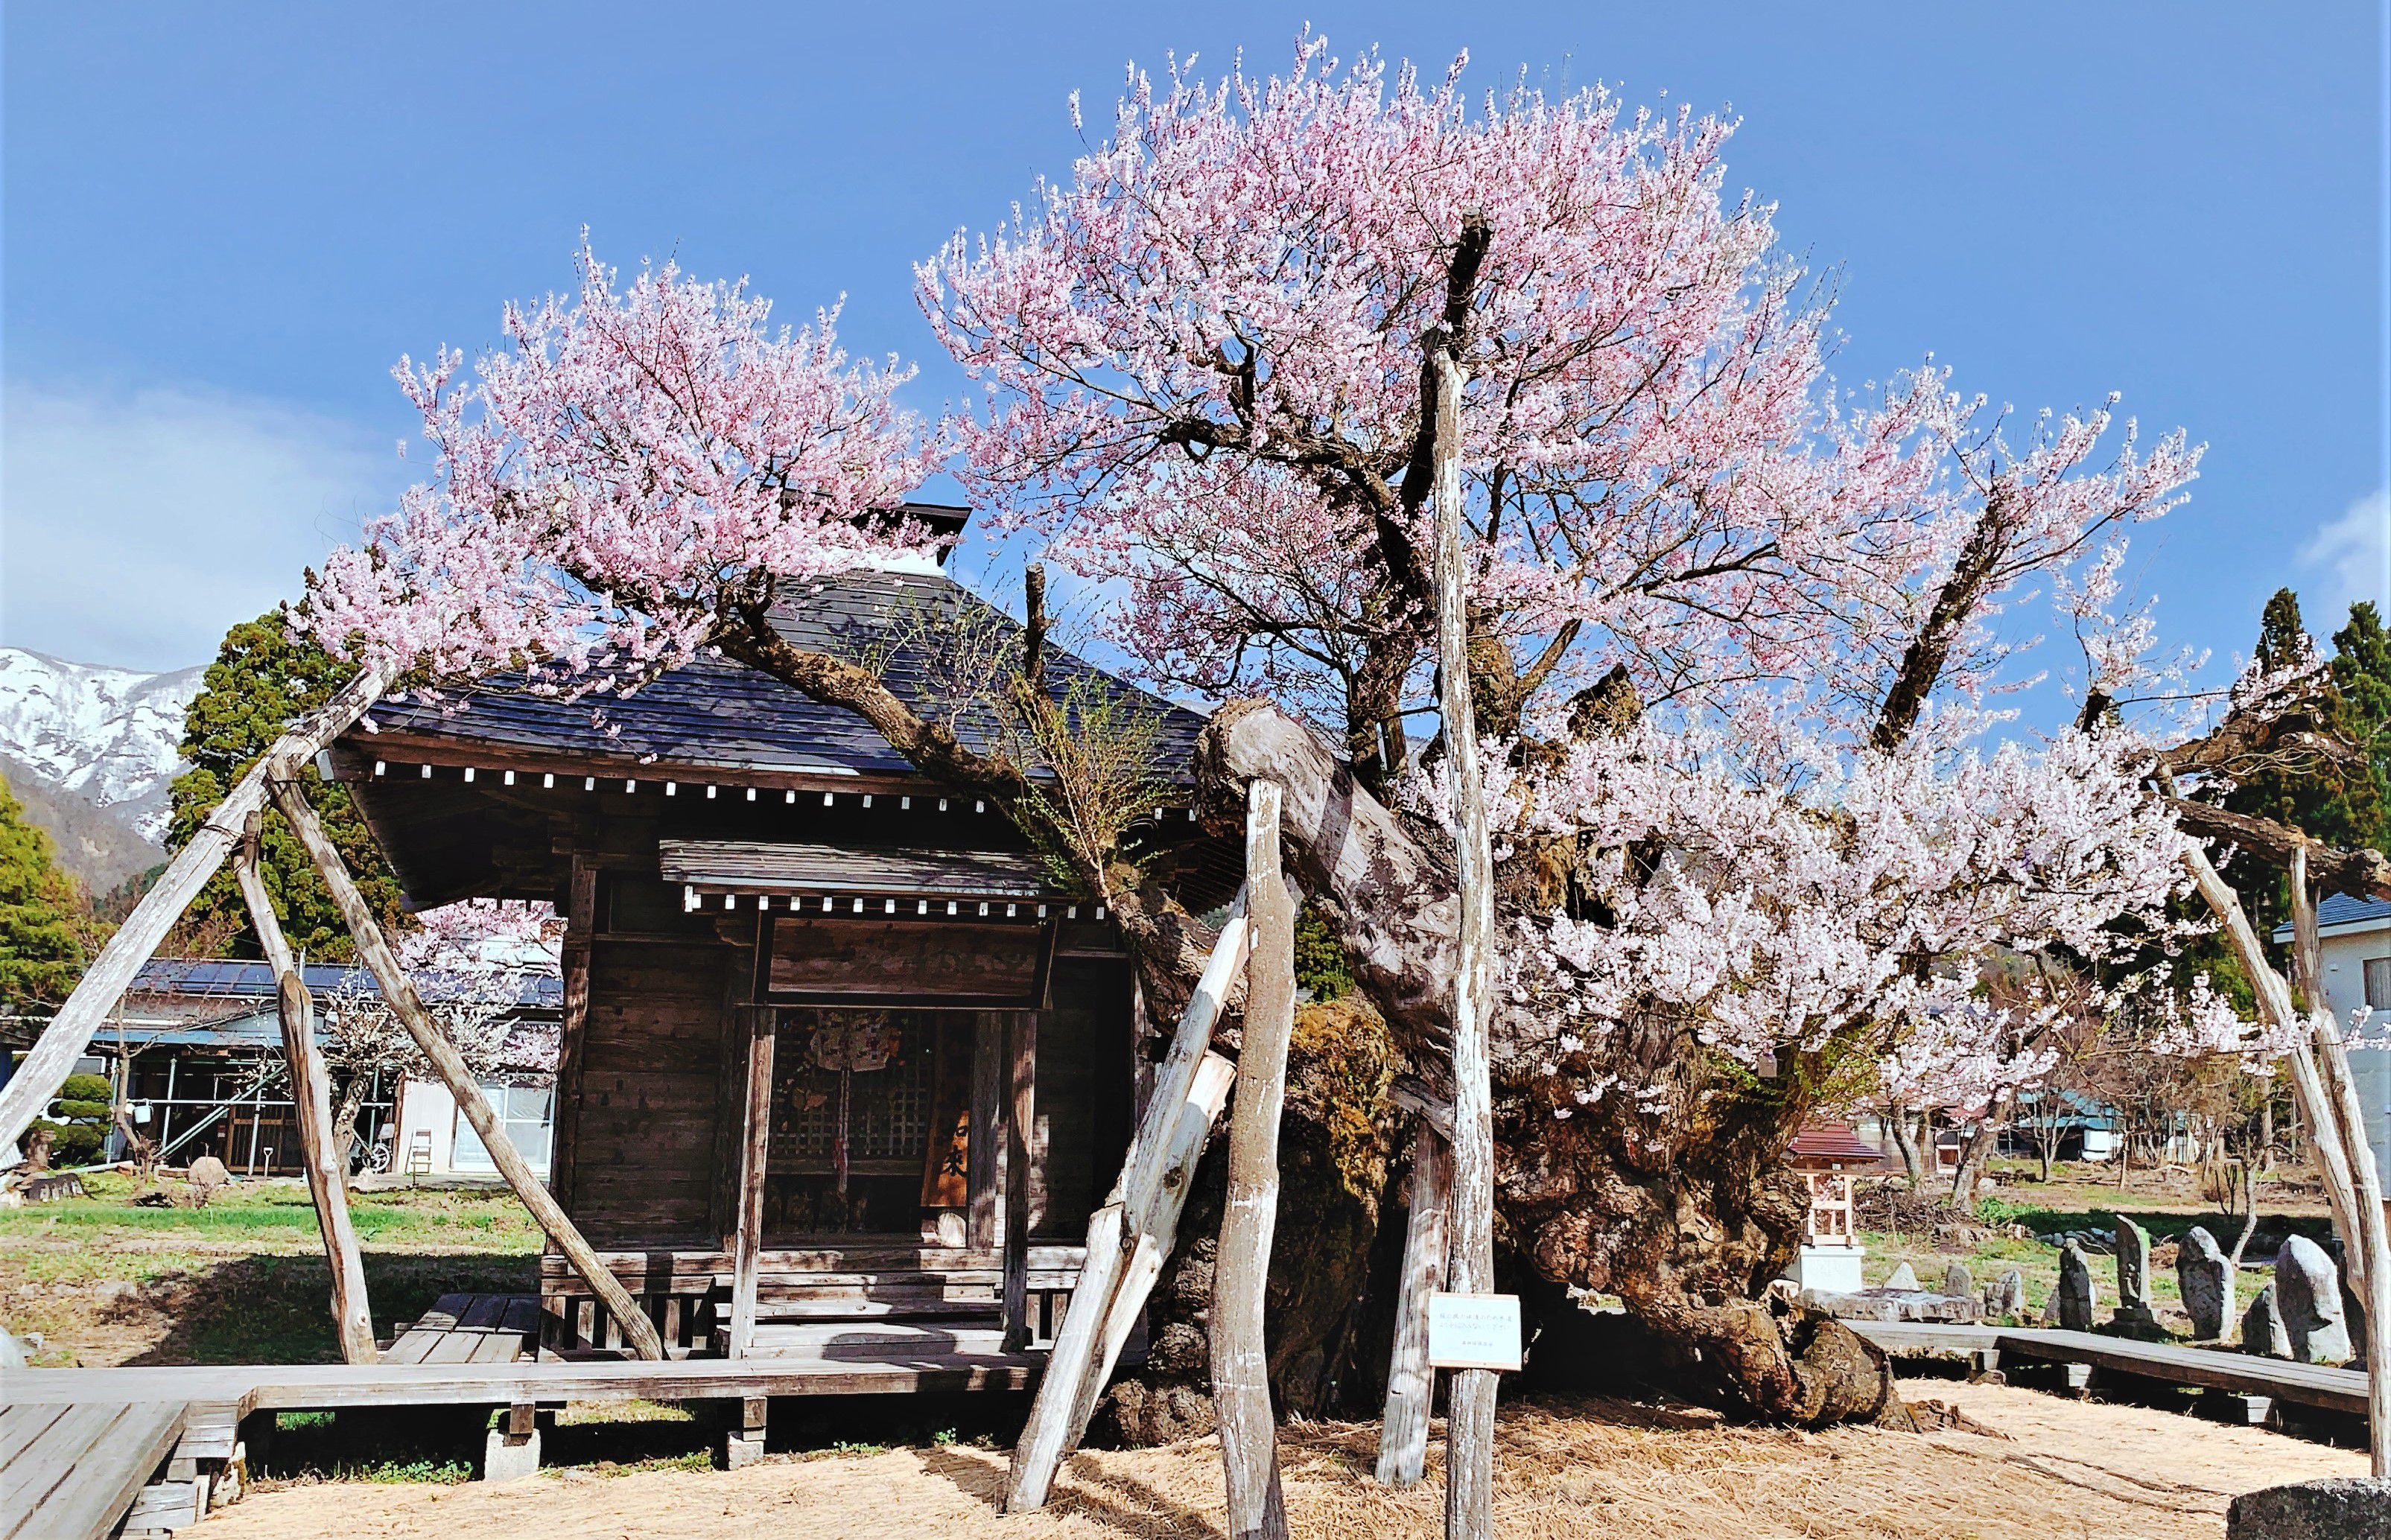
[207, 1174]
[12, 1354]
[2134, 1276]
[1956, 1281]
[2335, 1509]
[2078, 1296]
[2308, 1292]
[1904, 1276]
[2007, 1295]
[2205, 1276]
[2262, 1327]
[1891, 1304]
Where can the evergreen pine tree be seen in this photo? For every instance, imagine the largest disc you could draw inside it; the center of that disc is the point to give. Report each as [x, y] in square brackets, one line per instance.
[2348, 806]
[46, 934]
[261, 680]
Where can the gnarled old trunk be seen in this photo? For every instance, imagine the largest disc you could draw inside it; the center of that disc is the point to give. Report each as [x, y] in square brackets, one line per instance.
[1668, 1192]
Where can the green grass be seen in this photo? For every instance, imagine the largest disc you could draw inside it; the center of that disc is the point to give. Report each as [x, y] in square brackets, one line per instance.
[244, 1279]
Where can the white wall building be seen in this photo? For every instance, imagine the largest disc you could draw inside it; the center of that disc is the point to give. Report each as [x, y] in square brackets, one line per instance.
[2355, 937]
[431, 1138]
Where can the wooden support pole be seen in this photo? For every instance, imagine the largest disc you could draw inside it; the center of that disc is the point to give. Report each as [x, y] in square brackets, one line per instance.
[1241, 1391]
[2368, 1250]
[1470, 1423]
[69, 1033]
[580, 926]
[311, 1100]
[1411, 1384]
[398, 992]
[1132, 1232]
[1020, 1158]
[2321, 1109]
[755, 1154]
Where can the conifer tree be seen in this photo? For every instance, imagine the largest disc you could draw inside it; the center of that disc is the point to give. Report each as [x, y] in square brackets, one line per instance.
[2342, 805]
[45, 933]
[261, 679]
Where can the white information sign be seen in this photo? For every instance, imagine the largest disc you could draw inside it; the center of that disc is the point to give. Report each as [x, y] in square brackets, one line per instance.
[1473, 1331]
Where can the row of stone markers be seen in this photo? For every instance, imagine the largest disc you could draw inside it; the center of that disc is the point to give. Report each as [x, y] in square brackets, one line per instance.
[2298, 1314]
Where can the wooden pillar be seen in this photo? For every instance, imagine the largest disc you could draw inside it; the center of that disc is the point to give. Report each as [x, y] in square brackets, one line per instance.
[312, 1105]
[398, 992]
[755, 1152]
[581, 924]
[1411, 1384]
[1020, 1172]
[1141, 1064]
[1248, 1223]
[985, 1135]
[1470, 1425]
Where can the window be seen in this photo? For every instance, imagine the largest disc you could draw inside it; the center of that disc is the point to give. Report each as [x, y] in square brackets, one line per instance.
[2378, 982]
[524, 1110]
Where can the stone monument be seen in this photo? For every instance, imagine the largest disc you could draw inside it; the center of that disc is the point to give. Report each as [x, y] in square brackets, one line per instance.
[2078, 1296]
[2206, 1274]
[2308, 1292]
[2134, 1311]
[2262, 1327]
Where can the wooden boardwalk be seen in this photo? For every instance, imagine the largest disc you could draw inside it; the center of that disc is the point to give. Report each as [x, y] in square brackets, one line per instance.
[81, 1448]
[470, 1328]
[2166, 1363]
[70, 1470]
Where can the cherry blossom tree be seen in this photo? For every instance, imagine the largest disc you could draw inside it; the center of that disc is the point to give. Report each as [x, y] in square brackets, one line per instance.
[1744, 637]
[1741, 630]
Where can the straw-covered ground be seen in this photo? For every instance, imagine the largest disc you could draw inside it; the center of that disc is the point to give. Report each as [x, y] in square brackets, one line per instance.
[1568, 1468]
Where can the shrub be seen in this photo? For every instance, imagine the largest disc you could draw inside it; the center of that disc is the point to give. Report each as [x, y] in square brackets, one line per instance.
[78, 1144]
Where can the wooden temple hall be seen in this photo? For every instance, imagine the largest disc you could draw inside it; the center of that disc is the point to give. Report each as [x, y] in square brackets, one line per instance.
[836, 1047]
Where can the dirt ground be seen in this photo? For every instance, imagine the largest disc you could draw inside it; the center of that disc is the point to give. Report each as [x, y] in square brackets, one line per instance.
[1567, 1469]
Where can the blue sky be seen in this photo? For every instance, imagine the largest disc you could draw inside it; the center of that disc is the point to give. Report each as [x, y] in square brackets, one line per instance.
[224, 222]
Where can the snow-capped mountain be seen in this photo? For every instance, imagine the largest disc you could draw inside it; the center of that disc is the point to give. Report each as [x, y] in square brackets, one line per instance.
[106, 735]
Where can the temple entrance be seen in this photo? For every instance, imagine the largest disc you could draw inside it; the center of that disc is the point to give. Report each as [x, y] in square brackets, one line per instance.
[870, 1114]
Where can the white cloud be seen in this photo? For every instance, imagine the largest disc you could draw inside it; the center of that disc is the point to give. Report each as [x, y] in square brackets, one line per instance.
[136, 526]
[2354, 550]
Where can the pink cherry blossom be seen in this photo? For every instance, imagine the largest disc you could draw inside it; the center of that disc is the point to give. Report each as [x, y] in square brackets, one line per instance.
[631, 468]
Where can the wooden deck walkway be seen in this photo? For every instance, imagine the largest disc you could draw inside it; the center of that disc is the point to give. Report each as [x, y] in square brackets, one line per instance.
[2167, 1363]
[470, 1328]
[70, 1470]
[80, 1447]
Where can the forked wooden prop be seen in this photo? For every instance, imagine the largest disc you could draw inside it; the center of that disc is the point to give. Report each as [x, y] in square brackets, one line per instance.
[311, 1098]
[1250, 1219]
[2338, 1139]
[1131, 1234]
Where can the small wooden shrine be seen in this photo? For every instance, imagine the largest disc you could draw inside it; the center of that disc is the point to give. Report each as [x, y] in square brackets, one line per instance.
[811, 996]
[1826, 1155]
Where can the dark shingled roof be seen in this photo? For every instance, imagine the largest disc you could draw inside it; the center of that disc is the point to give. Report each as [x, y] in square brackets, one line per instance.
[722, 716]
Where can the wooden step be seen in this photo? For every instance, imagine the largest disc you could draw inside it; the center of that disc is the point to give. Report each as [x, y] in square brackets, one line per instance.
[889, 1341]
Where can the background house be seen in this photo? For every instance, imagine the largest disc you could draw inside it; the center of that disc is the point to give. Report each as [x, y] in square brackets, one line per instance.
[196, 1048]
[2355, 937]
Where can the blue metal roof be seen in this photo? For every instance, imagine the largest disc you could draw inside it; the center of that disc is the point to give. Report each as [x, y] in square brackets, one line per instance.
[244, 979]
